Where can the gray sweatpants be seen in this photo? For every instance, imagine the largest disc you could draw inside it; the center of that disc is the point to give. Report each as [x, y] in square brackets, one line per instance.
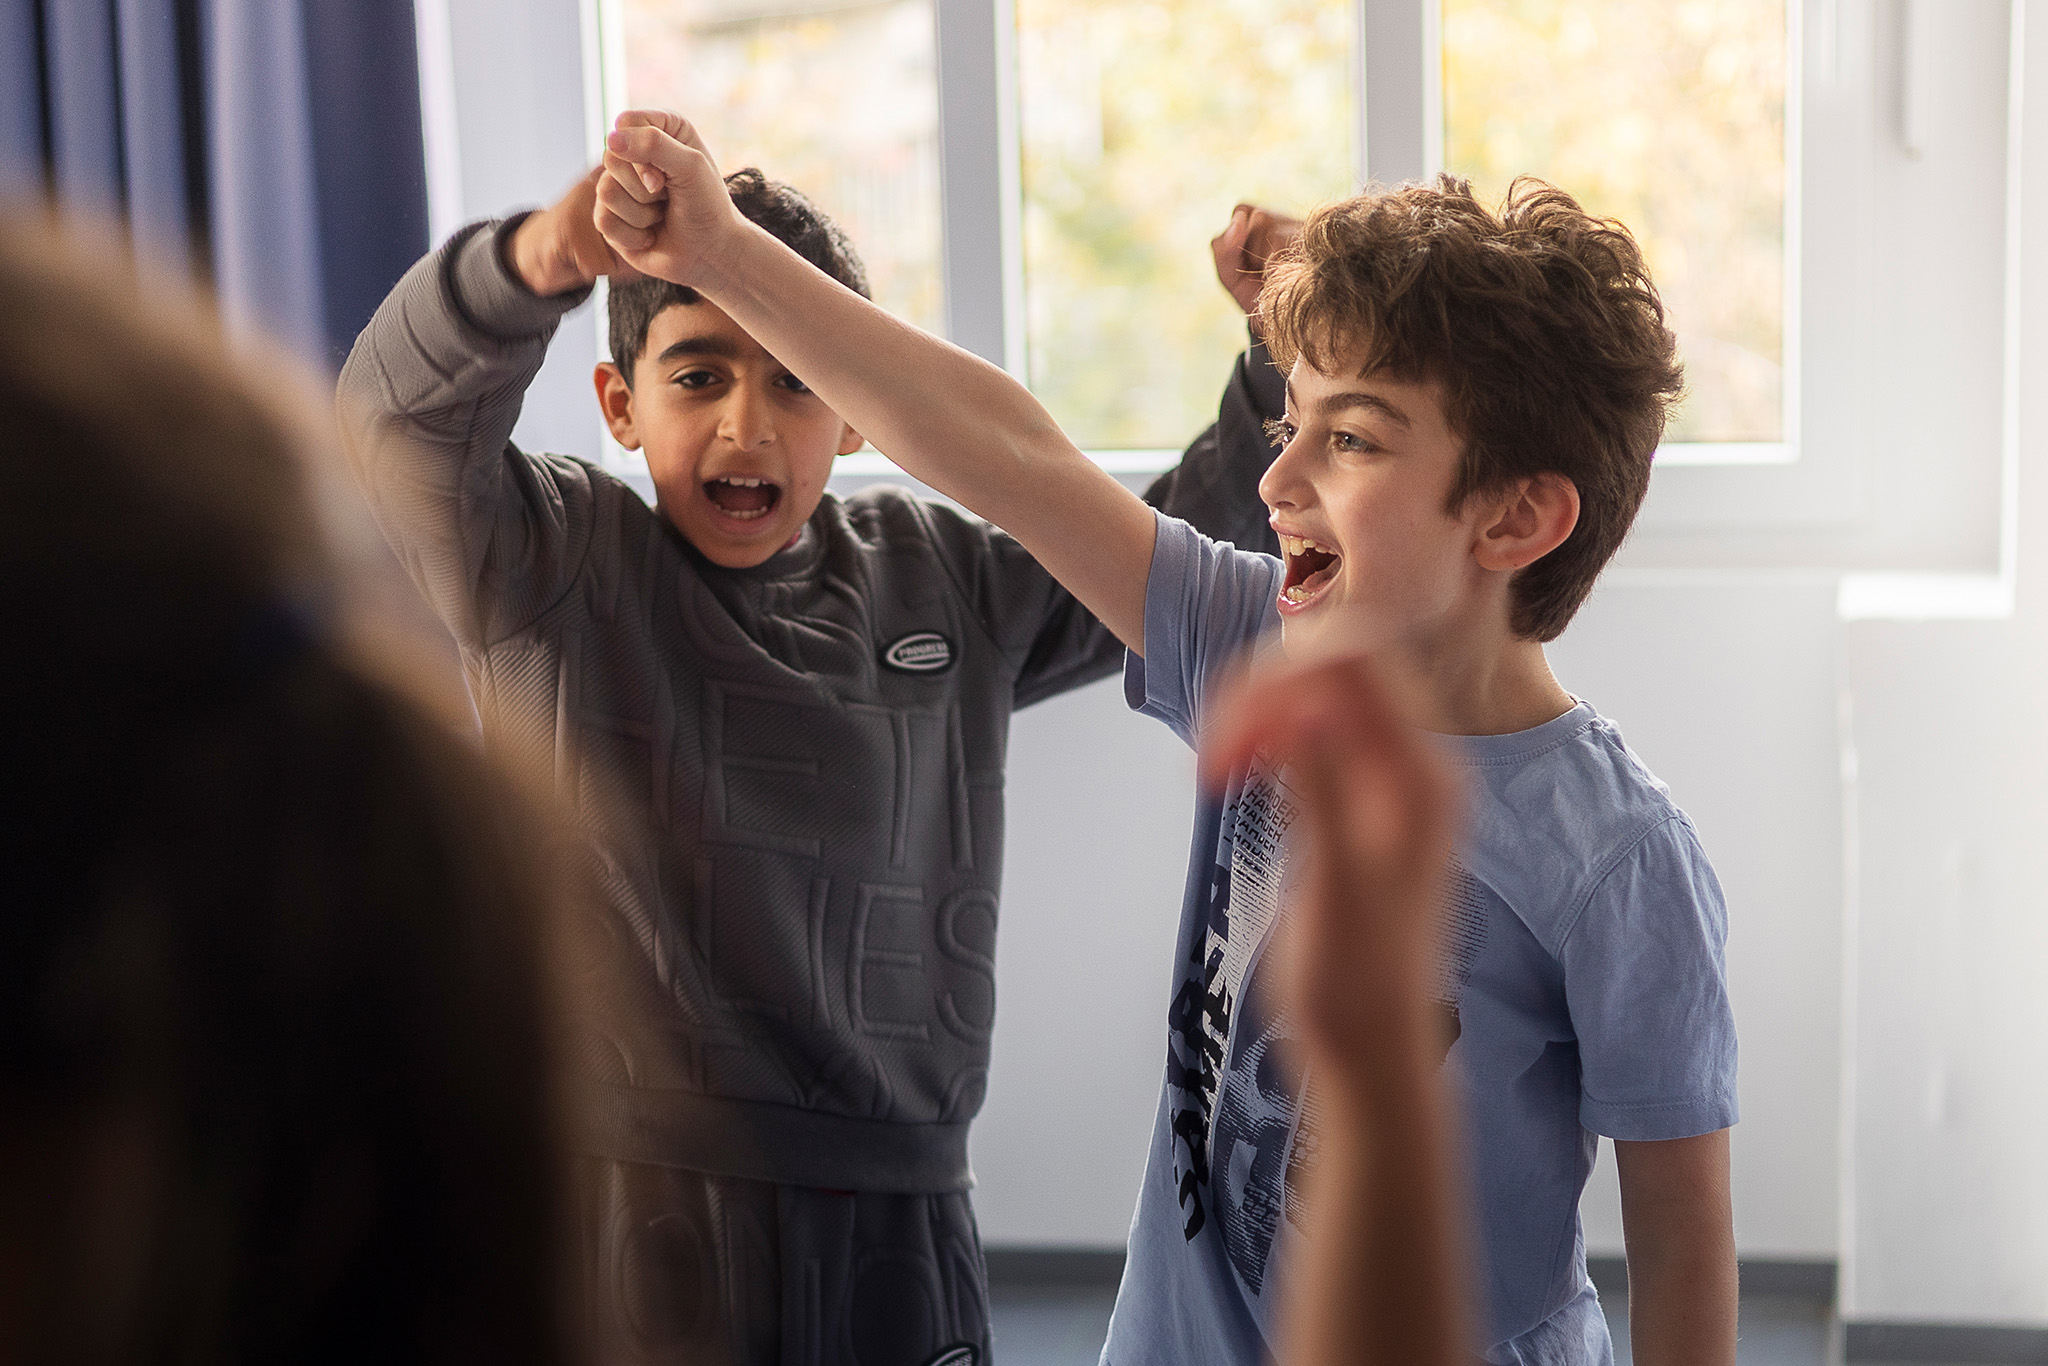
[718, 1271]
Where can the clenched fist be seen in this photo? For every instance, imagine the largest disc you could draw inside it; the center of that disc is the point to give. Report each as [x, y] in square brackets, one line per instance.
[559, 248]
[661, 204]
[1242, 250]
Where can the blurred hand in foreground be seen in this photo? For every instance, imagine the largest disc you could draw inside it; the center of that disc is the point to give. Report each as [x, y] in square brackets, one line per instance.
[1383, 1280]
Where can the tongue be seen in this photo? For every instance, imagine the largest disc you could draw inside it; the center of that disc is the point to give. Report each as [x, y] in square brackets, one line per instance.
[741, 498]
[1309, 566]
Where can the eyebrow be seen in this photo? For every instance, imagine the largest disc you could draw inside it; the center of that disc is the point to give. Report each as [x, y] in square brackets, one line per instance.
[698, 346]
[1357, 399]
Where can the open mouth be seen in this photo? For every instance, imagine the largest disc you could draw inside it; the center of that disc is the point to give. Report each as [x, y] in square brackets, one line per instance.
[742, 497]
[1311, 567]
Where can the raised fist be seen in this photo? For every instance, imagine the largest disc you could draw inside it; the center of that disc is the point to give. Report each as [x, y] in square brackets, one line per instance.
[1243, 248]
[559, 249]
[661, 204]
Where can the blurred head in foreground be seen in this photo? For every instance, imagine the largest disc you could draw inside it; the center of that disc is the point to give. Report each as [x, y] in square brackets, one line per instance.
[271, 1001]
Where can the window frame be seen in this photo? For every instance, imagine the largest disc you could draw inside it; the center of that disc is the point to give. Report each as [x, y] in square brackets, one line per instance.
[1398, 102]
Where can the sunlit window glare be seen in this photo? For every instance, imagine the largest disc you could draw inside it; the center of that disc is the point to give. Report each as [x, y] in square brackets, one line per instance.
[1143, 122]
[1670, 117]
[840, 101]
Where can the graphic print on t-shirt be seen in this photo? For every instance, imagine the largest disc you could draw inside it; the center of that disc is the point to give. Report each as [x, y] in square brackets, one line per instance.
[1241, 905]
[1243, 1121]
[1254, 1113]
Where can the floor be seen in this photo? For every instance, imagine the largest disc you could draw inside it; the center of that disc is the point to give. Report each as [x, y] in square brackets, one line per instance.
[1043, 1325]
[1054, 1325]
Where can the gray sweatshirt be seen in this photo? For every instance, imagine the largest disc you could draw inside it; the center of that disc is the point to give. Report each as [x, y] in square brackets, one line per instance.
[790, 778]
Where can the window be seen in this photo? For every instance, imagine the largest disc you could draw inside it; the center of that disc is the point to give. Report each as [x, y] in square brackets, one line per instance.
[1672, 118]
[1141, 123]
[1852, 338]
[839, 100]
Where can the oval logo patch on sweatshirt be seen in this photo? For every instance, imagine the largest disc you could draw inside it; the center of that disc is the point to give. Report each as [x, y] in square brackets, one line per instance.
[921, 652]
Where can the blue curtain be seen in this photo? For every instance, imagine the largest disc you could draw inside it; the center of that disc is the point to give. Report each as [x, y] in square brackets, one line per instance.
[270, 146]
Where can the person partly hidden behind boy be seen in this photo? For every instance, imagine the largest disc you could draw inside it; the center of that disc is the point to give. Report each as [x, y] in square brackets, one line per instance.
[1472, 407]
[782, 718]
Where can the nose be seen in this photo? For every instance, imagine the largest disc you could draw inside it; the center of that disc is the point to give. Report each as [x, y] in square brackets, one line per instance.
[747, 418]
[1284, 483]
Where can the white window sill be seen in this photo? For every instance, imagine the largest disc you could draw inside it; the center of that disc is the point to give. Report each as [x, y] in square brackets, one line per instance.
[1725, 453]
[1925, 597]
[871, 463]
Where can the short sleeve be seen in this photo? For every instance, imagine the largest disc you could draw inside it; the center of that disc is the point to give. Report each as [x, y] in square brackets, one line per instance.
[1647, 988]
[1206, 605]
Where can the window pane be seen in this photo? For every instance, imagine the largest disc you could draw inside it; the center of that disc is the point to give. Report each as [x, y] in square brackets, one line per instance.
[1671, 117]
[840, 101]
[1142, 124]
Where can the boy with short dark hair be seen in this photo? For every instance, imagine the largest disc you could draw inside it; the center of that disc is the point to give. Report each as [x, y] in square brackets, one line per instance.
[781, 719]
[1473, 404]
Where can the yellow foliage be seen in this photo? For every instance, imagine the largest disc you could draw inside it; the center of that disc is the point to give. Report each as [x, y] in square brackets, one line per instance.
[1143, 122]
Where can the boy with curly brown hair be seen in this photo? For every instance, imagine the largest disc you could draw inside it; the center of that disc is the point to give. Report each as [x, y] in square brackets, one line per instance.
[1473, 402]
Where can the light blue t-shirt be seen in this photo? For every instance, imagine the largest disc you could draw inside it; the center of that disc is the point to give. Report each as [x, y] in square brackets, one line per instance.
[1583, 988]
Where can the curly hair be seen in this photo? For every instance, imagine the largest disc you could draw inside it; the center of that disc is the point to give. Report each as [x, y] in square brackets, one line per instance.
[1539, 320]
[787, 215]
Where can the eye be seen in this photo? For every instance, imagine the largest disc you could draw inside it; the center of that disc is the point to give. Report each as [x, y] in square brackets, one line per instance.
[793, 384]
[1352, 441]
[696, 379]
[1279, 431]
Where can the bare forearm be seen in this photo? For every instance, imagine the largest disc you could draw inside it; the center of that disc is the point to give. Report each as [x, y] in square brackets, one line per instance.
[922, 399]
[951, 419]
[1678, 1218]
[1381, 1276]
[1682, 1308]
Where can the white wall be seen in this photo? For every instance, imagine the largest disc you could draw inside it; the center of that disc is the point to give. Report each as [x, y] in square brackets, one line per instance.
[518, 71]
[1101, 801]
[1947, 1192]
[1727, 691]
[1949, 1115]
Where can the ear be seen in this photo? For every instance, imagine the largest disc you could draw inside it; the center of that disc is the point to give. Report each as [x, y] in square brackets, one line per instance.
[1531, 520]
[850, 440]
[615, 400]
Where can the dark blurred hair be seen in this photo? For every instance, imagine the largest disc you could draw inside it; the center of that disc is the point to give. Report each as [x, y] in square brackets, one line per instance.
[273, 1023]
[787, 216]
[1539, 320]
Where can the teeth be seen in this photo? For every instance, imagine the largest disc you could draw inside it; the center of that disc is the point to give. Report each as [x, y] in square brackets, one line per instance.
[1296, 545]
[1296, 594]
[740, 481]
